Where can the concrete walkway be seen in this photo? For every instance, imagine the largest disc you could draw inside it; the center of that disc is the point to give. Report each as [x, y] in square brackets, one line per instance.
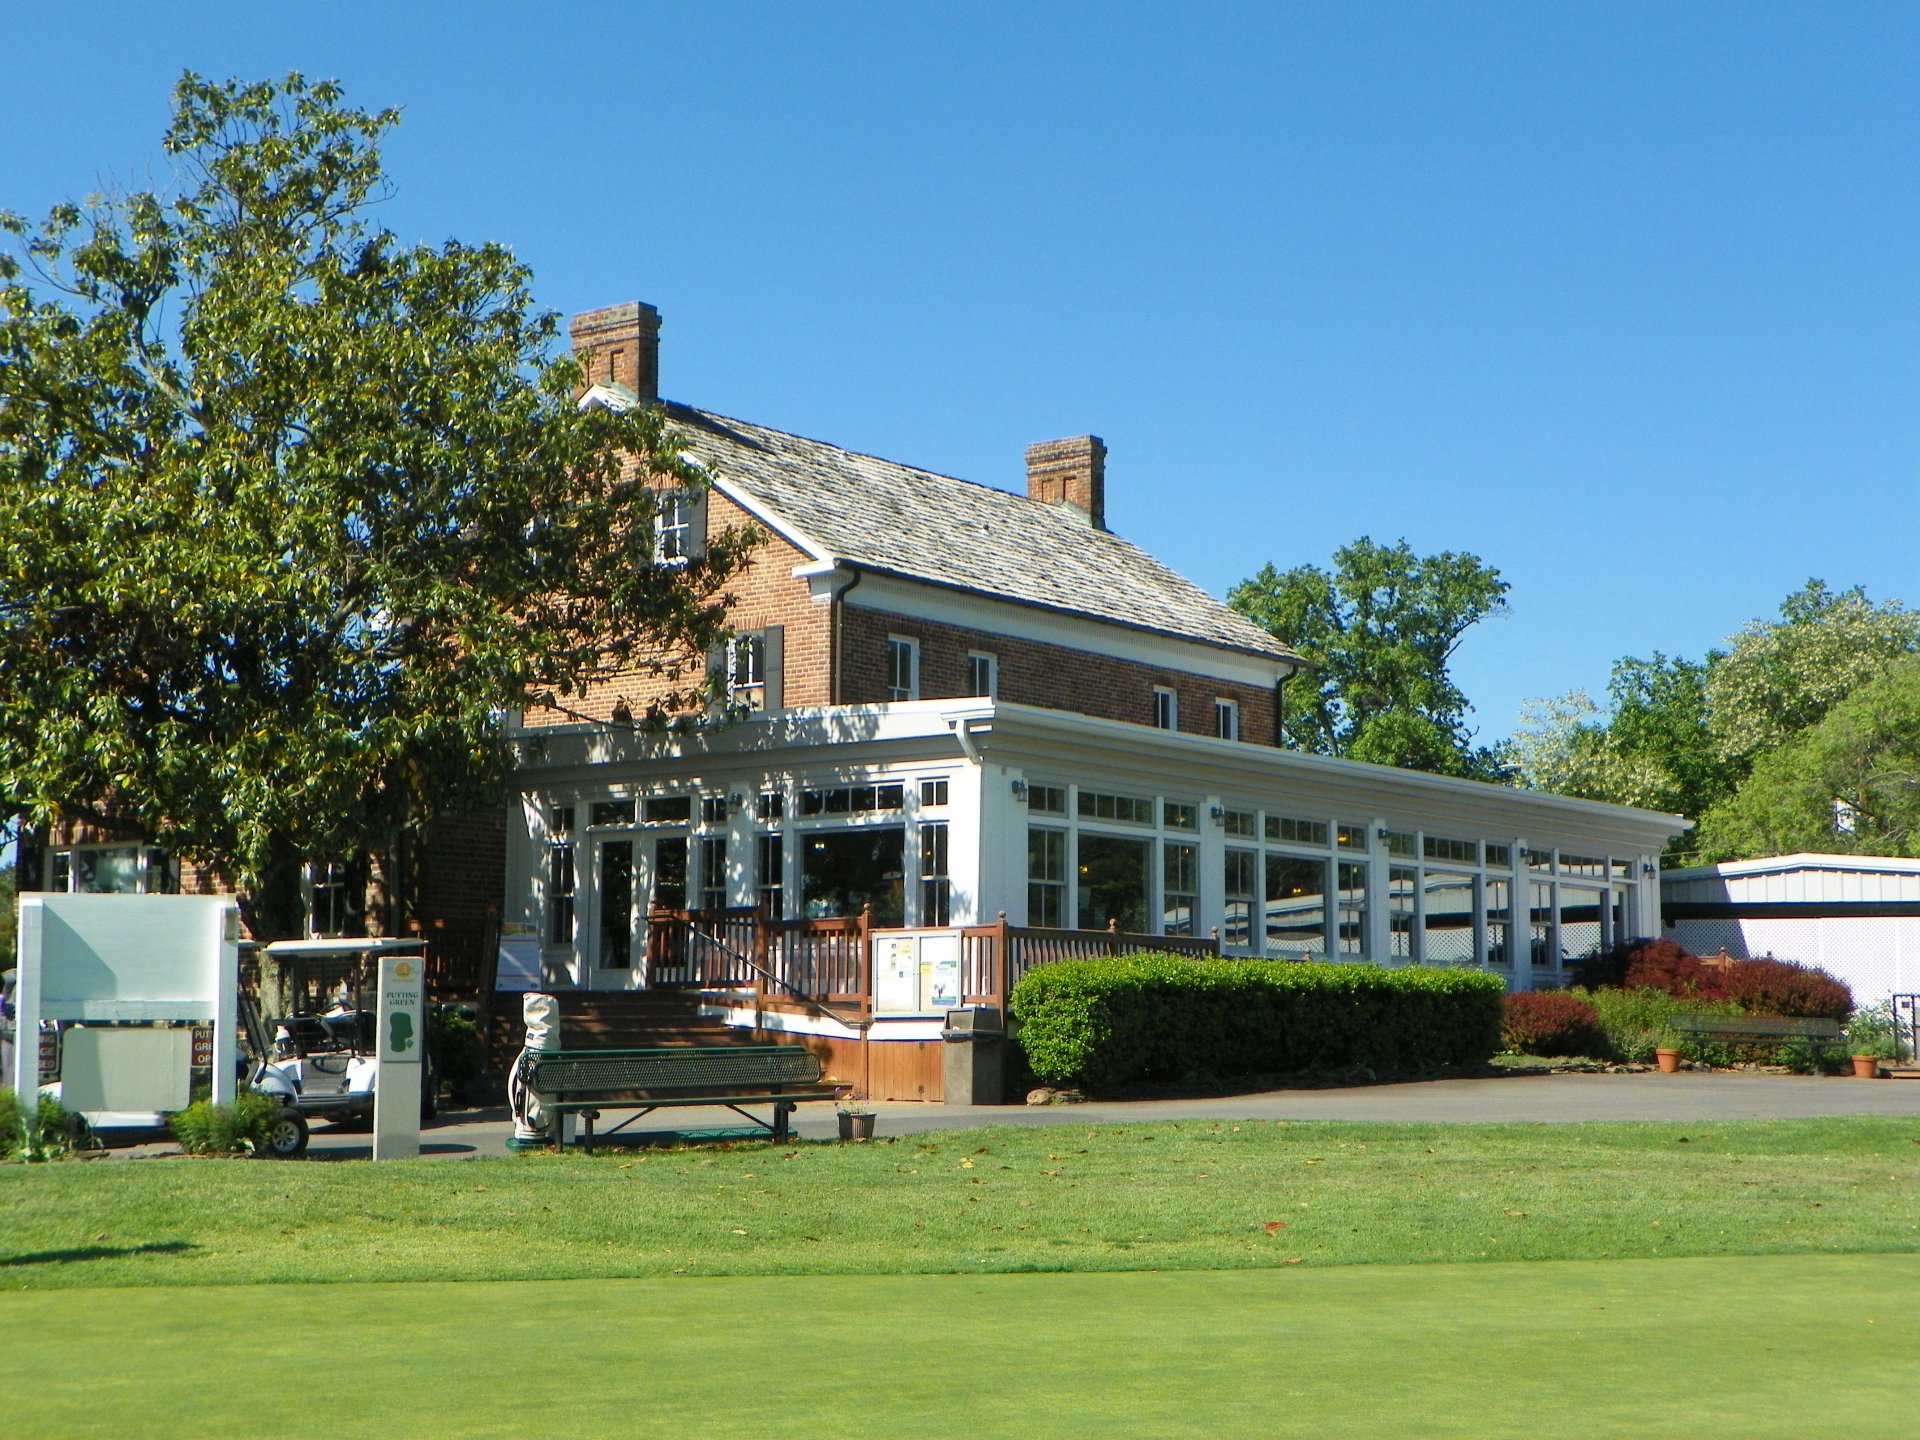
[1540, 1098]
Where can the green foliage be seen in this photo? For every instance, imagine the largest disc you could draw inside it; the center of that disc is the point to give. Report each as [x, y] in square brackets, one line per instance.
[1102, 1023]
[1782, 677]
[1873, 1030]
[1761, 739]
[1849, 784]
[453, 1044]
[46, 1132]
[1378, 632]
[1635, 1022]
[204, 1128]
[9, 915]
[1550, 1022]
[291, 510]
[1650, 748]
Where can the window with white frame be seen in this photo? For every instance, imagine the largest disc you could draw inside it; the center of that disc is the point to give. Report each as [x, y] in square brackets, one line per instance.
[770, 856]
[675, 518]
[112, 870]
[983, 674]
[1226, 719]
[747, 671]
[1046, 877]
[333, 906]
[903, 668]
[936, 887]
[713, 872]
[1180, 888]
[1166, 708]
[560, 876]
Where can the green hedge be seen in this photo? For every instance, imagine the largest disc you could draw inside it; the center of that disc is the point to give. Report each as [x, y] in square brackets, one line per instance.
[1101, 1023]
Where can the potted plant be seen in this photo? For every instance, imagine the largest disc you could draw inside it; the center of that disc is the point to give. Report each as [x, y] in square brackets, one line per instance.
[856, 1118]
[1872, 1037]
[1667, 1054]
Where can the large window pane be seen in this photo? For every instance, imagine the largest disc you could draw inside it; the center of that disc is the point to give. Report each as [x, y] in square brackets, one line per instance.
[1112, 885]
[1351, 935]
[1047, 878]
[1499, 922]
[1243, 878]
[1296, 905]
[1179, 889]
[1579, 921]
[846, 870]
[1403, 883]
[1449, 920]
[616, 905]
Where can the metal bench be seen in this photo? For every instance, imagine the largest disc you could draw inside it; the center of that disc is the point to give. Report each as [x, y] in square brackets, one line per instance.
[583, 1082]
[1757, 1029]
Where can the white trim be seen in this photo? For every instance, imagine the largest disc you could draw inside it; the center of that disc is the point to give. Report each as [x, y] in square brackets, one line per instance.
[784, 528]
[1786, 864]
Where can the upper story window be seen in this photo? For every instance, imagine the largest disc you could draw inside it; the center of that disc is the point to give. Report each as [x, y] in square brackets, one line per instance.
[747, 671]
[1226, 719]
[676, 526]
[903, 668]
[983, 674]
[112, 870]
[334, 897]
[1166, 708]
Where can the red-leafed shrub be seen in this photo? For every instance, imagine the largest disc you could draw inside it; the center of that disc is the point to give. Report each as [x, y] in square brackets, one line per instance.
[1778, 987]
[1676, 973]
[1608, 969]
[1549, 1022]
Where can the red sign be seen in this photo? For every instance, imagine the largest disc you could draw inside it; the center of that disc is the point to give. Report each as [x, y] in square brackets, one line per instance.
[49, 1054]
[203, 1047]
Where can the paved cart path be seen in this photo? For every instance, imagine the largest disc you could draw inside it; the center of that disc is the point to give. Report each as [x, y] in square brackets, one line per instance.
[1544, 1098]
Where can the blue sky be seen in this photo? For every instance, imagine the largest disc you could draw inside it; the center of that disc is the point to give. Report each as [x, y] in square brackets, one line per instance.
[1621, 298]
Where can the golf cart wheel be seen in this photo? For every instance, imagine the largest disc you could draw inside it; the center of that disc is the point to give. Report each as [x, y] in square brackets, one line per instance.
[286, 1133]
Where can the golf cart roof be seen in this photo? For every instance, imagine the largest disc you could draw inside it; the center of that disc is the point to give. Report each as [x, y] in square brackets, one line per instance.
[343, 949]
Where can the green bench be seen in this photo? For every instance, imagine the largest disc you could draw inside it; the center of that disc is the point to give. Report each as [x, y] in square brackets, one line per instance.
[1757, 1029]
[584, 1082]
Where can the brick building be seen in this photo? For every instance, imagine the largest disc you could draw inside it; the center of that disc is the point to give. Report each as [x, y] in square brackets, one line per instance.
[951, 702]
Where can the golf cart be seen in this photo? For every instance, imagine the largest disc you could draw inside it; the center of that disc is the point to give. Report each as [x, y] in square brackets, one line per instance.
[317, 1057]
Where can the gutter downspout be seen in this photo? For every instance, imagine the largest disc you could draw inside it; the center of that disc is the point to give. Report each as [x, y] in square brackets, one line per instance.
[836, 644]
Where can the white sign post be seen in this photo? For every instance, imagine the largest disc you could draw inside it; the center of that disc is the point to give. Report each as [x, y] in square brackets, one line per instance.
[402, 1052]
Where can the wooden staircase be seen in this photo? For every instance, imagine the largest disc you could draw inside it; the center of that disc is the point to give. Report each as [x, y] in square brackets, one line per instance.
[613, 1020]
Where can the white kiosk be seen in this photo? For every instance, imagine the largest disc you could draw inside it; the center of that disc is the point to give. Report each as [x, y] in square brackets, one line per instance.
[144, 989]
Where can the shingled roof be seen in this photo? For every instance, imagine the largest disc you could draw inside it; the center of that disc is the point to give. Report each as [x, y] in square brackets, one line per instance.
[893, 519]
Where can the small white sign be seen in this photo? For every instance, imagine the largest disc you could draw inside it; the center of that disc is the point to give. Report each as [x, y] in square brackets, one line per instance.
[401, 1049]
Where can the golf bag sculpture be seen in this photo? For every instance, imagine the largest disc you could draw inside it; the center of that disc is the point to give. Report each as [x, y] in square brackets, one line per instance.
[530, 1121]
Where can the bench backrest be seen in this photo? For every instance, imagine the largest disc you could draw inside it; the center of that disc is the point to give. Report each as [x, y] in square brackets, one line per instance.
[572, 1072]
[1783, 1027]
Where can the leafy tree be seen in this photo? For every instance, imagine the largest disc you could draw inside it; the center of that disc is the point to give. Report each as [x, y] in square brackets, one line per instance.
[9, 916]
[1850, 783]
[1379, 630]
[1780, 677]
[1650, 749]
[291, 511]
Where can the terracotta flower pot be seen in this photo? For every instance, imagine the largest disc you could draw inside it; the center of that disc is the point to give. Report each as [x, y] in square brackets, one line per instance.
[1668, 1061]
[1866, 1067]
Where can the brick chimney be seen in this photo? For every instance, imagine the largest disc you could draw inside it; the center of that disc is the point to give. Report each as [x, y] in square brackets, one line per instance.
[620, 344]
[1070, 475]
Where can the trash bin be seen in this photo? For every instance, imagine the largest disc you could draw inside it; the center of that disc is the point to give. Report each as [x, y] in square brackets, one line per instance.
[973, 1057]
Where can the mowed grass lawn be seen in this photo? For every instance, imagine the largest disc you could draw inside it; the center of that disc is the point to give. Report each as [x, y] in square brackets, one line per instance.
[1734, 1279]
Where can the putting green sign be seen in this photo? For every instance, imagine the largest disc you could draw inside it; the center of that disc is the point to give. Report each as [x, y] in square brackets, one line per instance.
[402, 1008]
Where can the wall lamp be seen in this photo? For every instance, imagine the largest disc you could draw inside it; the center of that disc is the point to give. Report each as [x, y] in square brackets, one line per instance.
[1381, 834]
[1020, 790]
[1648, 868]
[1219, 814]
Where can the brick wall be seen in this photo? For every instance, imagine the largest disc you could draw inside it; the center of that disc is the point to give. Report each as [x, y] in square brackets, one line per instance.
[764, 593]
[1031, 673]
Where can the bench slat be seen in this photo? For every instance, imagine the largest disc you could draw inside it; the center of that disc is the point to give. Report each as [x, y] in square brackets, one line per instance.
[575, 1072]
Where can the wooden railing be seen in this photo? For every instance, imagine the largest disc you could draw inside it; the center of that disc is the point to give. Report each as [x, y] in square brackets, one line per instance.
[830, 960]
[743, 949]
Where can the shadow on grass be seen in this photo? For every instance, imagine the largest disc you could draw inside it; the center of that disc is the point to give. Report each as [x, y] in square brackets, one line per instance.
[97, 1252]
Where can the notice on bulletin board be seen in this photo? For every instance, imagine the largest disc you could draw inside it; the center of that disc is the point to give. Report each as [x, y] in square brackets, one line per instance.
[896, 974]
[940, 964]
